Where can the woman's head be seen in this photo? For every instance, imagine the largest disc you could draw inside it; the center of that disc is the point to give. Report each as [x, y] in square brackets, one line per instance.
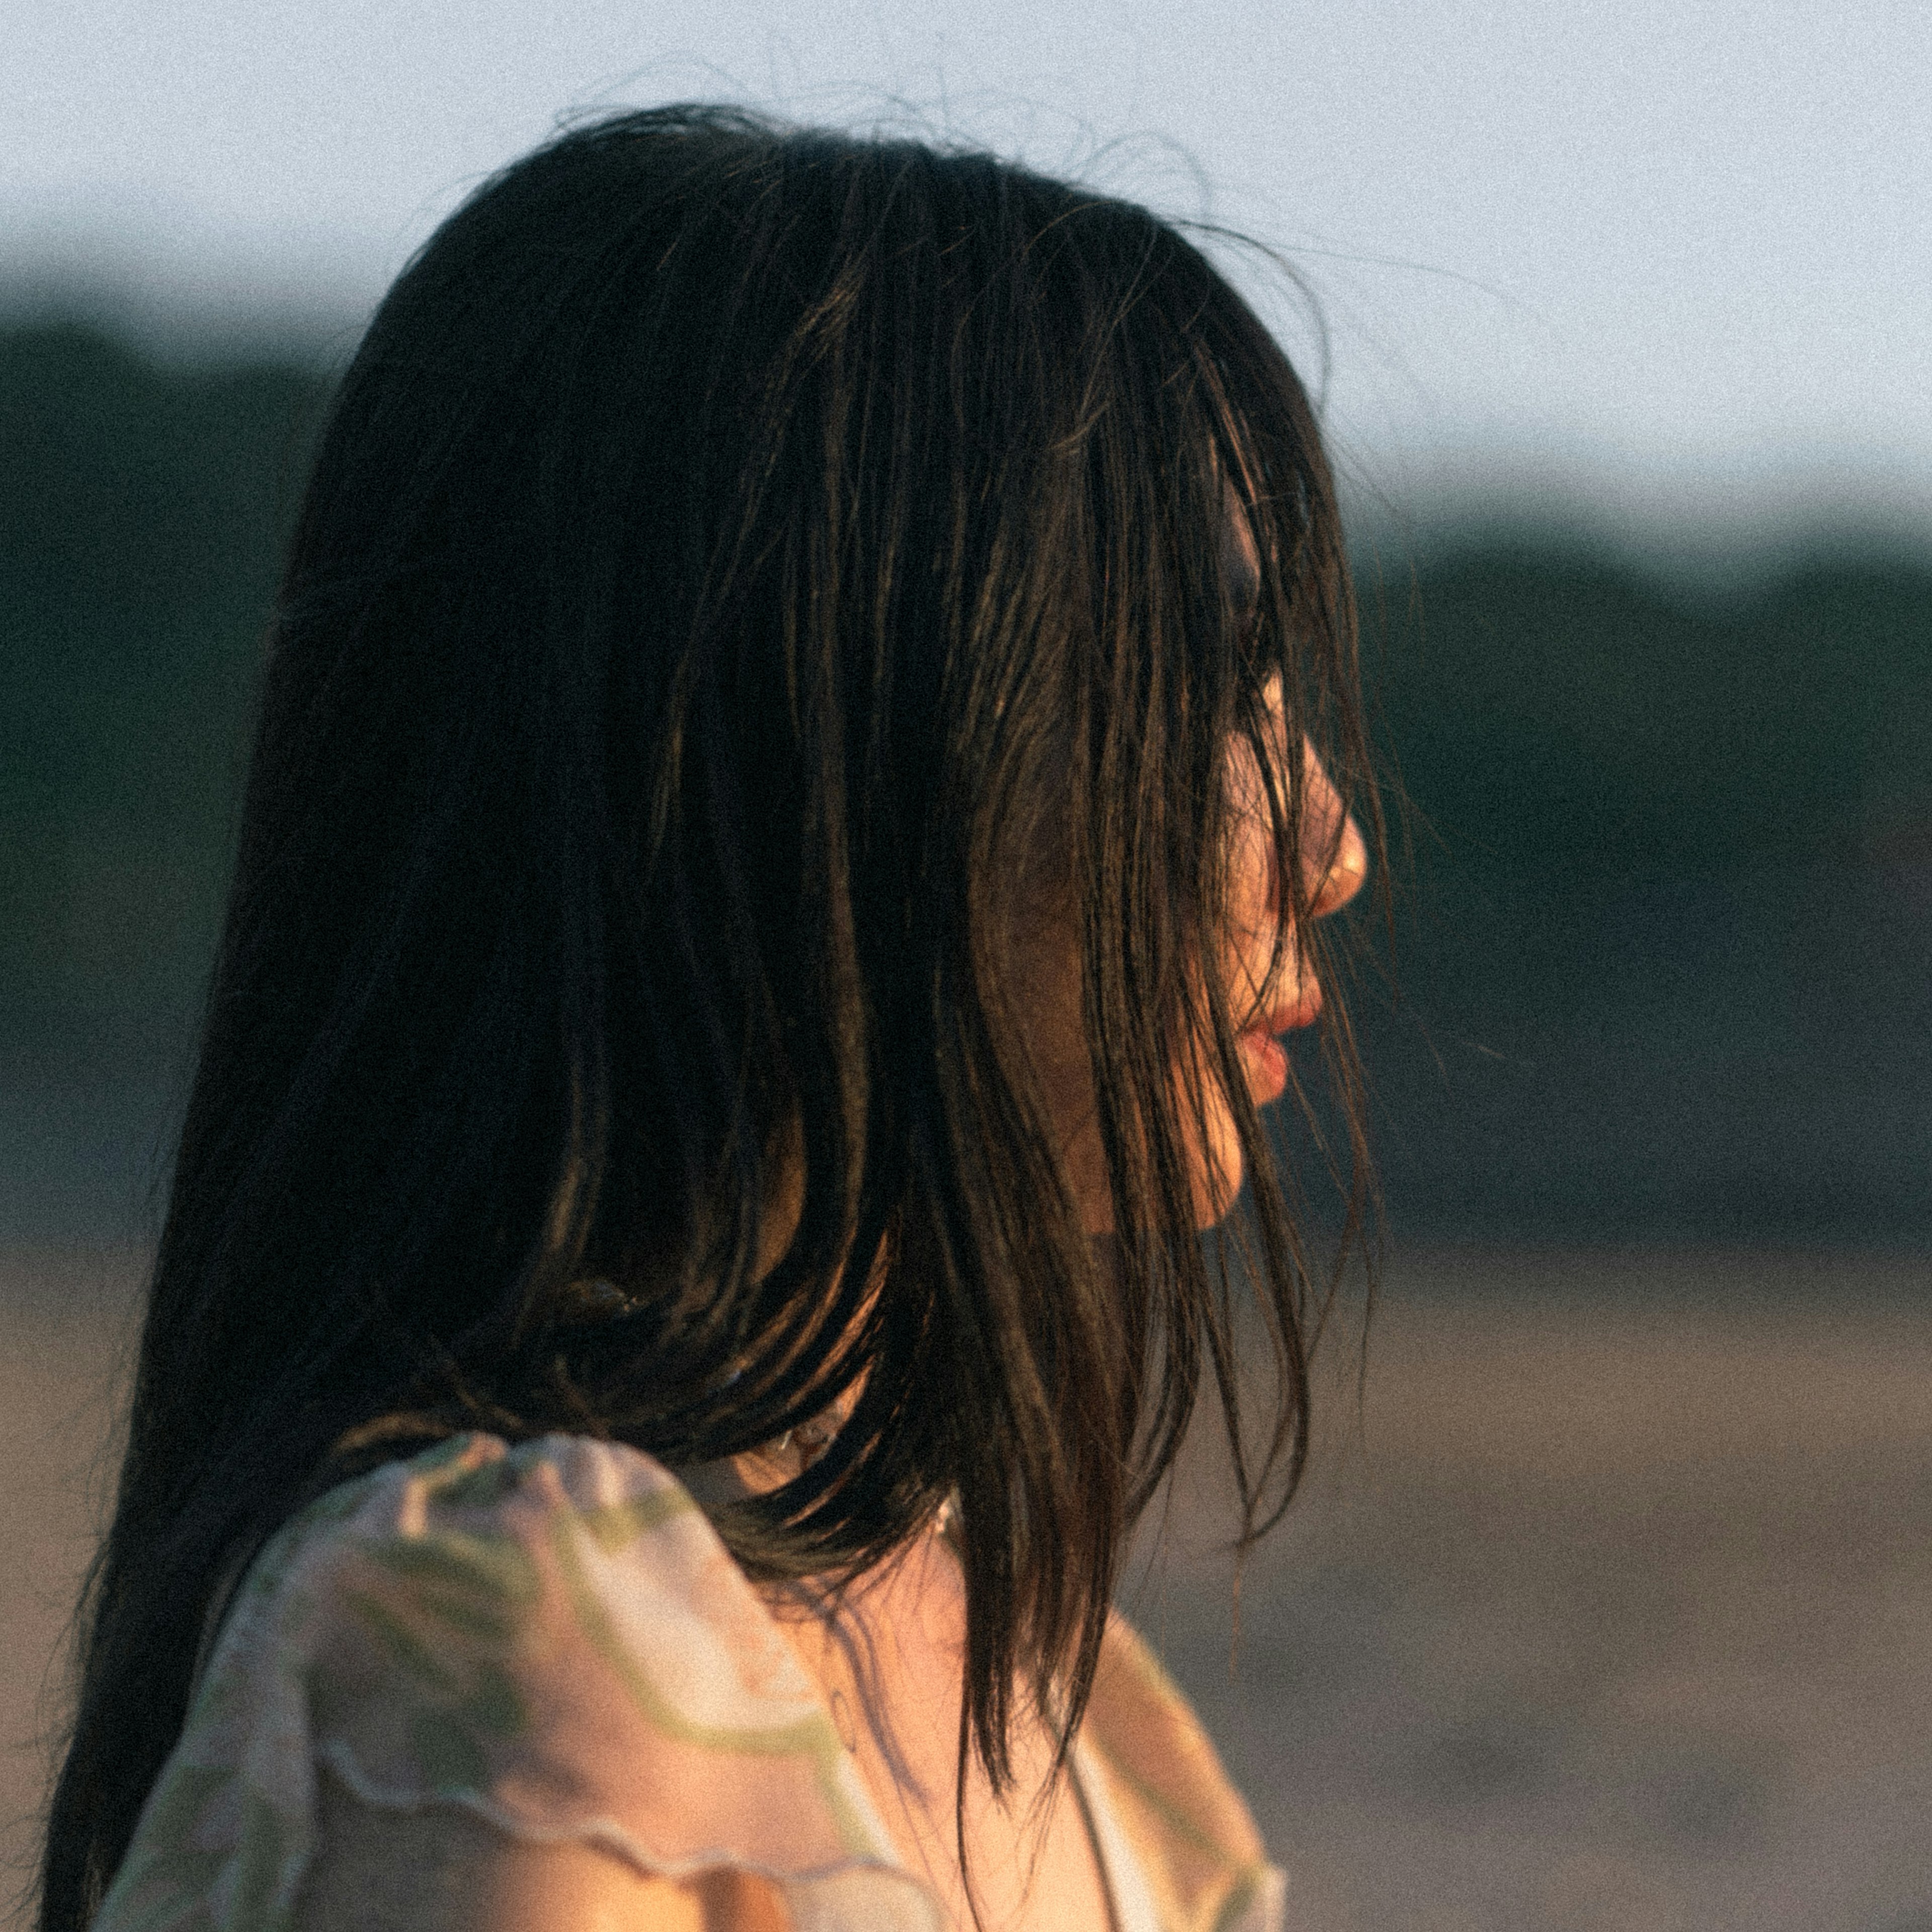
[757, 591]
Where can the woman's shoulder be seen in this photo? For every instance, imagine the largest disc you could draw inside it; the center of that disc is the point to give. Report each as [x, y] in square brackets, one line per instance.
[1188, 1833]
[547, 1640]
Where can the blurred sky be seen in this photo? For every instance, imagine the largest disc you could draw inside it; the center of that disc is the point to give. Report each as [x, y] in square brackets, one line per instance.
[1673, 254]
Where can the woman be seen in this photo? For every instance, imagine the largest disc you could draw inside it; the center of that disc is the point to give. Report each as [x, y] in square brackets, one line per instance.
[784, 824]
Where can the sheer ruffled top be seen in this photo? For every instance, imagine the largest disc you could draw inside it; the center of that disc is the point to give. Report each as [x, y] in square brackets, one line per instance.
[553, 1638]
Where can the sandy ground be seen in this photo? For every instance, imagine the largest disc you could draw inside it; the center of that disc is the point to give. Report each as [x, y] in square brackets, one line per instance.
[66, 1331]
[1610, 1606]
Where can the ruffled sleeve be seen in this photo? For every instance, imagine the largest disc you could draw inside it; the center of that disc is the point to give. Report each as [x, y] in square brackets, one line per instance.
[551, 1637]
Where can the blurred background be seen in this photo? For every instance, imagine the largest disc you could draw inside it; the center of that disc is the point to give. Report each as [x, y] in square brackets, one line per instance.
[1607, 1603]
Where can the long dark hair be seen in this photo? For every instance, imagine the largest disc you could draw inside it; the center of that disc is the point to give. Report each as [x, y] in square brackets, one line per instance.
[735, 554]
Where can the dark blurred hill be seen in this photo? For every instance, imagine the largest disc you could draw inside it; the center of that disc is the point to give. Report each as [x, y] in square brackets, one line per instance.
[1665, 952]
[141, 514]
[142, 509]
[1665, 945]
[1564, 720]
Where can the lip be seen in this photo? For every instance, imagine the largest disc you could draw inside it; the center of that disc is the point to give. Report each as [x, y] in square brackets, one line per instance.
[1303, 1010]
[1267, 1062]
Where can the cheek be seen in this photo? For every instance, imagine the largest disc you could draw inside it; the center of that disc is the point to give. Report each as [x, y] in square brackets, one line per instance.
[1257, 939]
[1045, 994]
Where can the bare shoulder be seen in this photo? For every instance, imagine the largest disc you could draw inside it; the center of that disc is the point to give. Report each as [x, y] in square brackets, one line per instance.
[444, 1869]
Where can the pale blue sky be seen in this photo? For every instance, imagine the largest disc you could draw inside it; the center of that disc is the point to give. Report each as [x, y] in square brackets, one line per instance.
[1676, 254]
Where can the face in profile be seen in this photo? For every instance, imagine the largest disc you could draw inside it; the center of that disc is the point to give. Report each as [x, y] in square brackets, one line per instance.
[1268, 987]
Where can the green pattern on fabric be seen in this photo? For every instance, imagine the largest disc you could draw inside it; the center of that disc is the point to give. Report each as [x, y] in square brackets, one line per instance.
[1241, 1900]
[615, 1526]
[257, 1870]
[489, 1579]
[449, 1756]
[165, 1866]
[813, 1736]
[494, 1705]
[1176, 1820]
[405, 1647]
[482, 1487]
[479, 1591]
